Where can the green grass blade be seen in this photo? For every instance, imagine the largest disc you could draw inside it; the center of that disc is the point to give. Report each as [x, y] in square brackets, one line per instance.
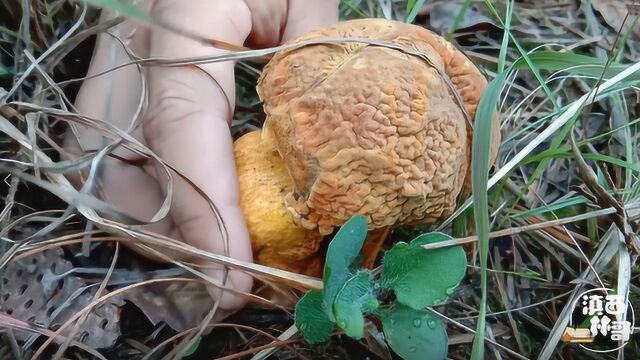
[534, 70]
[562, 119]
[620, 116]
[355, 9]
[619, 82]
[554, 206]
[413, 6]
[565, 154]
[609, 132]
[483, 125]
[555, 144]
[502, 57]
[456, 22]
[481, 147]
[572, 63]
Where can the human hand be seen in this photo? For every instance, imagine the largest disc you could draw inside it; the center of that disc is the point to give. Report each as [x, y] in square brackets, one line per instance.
[187, 119]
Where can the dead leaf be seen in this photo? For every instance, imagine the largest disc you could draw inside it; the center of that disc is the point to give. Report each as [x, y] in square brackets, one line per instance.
[442, 16]
[377, 344]
[38, 290]
[614, 12]
[182, 305]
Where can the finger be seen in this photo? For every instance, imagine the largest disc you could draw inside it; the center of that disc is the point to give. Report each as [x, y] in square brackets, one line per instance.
[268, 20]
[114, 97]
[277, 21]
[188, 126]
[305, 16]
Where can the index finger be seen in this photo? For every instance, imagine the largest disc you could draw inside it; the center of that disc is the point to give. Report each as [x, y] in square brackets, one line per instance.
[188, 126]
[304, 16]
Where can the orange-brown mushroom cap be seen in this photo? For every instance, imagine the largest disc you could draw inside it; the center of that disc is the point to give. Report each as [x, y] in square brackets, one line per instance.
[372, 130]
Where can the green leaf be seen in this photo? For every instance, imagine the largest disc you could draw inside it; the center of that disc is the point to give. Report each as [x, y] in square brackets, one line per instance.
[353, 299]
[342, 252]
[311, 320]
[422, 277]
[414, 334]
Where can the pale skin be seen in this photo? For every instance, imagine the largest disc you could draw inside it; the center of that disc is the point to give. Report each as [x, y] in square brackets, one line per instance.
[188, 116]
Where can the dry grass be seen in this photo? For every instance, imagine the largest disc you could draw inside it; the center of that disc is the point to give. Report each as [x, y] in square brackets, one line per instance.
[564, 210]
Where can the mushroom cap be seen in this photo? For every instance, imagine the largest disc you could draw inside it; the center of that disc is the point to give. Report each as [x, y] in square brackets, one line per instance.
[276, 240]
[370, 129]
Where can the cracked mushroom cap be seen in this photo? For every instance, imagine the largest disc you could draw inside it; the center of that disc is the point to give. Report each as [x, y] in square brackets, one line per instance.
[369, 129]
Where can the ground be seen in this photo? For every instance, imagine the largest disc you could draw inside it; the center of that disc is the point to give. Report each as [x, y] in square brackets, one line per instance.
[532, 271]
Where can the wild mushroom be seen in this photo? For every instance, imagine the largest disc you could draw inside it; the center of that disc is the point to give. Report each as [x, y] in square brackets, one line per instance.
[383, 131]
[276, 239]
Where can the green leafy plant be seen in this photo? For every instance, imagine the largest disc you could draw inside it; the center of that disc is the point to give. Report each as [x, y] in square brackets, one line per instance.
[417, 278]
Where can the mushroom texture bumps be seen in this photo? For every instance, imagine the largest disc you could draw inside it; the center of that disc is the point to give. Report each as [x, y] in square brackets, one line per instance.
[359, 128]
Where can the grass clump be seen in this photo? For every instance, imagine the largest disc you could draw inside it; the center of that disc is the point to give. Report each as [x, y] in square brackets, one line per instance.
[557, 215]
